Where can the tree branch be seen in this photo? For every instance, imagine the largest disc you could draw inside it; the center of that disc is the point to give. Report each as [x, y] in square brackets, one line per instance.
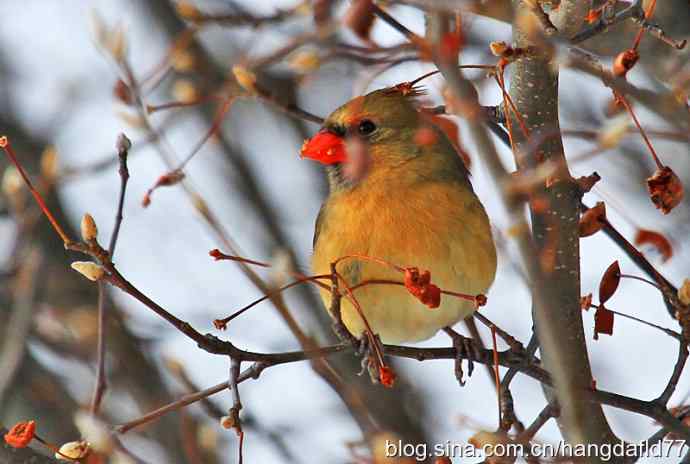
[556, 286]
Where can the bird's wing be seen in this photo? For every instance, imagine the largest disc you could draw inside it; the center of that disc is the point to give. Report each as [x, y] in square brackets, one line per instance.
[317, 226]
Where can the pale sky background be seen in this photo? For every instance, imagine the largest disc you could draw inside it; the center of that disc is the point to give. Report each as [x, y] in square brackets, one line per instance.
[163, 249]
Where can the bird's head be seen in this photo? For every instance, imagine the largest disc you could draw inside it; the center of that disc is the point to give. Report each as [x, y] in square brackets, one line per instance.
[374, 133]
[378, 132]
[380, 117]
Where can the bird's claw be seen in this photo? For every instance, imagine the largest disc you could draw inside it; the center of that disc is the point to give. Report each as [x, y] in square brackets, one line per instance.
[366, 351]
[464, 348]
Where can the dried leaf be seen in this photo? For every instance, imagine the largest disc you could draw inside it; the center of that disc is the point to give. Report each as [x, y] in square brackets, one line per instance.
[609, 282]
[624, 62]
[592, 220]
[655, 239]
[586, 183]
[665, 189]
[360, 18]
[586, 302]
[603, 322]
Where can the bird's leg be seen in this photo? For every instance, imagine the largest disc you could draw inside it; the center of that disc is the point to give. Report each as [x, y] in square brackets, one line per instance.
[365, 346]
[367, 351]
[364, 351]
[463, 348]
[339, 328]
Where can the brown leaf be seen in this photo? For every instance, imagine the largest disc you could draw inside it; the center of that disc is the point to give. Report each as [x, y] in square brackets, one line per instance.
[609, 282]
[624, 62]
[586, 302]
[360, 18]
[665, 189]
[587, 182]
[655, 239]
[603, 322]
[592, 220]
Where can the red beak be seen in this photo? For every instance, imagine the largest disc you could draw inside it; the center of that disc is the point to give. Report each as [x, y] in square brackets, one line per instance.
[325, 147]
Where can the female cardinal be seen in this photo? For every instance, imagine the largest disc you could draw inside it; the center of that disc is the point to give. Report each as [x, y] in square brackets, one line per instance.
[398, 192]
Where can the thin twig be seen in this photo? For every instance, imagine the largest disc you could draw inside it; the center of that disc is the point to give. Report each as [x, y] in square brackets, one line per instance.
[677, 371]
[5, 145]
[101, 381]
[633, 11]
[19, 322]
[123, 146]
[528, 434]
[395, 24]
[235, 366]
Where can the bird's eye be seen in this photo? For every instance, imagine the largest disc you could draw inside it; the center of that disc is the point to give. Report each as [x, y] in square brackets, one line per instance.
[366, 127]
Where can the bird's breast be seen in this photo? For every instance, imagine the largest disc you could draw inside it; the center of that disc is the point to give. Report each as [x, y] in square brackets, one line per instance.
[436, 226]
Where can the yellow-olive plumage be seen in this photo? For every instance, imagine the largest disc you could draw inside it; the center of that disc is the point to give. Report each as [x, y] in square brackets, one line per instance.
[414, 206]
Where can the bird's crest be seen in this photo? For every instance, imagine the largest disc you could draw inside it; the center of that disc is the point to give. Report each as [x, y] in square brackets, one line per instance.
[409, 90]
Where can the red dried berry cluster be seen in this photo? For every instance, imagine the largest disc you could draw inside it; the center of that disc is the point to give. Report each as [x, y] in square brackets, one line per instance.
[21, 434]
[386, 376]
[419, 285]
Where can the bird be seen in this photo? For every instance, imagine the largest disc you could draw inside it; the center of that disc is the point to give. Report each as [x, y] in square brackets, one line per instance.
[399, 193]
